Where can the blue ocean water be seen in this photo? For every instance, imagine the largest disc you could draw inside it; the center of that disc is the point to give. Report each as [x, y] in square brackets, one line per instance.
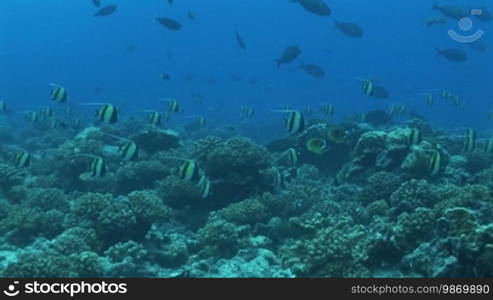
[118, 59]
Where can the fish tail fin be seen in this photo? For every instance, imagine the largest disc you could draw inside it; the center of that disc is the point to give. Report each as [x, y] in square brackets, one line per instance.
[438, 52]
[336, 24]
[278, 62]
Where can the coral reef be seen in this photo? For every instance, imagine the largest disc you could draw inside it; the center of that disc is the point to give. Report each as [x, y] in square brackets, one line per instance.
[359, 202]
[10, 176]
[340, 250]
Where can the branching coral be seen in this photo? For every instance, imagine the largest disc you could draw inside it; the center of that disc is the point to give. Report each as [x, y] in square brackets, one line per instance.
[147, 207]
[24, 221]
[48, 263]
[10, 176]
[47, 199]
[76, 240]
[237, 163]
[380, 186]
[126, 259]
[248, 211]
[340, 250]
[116, 222]
[90, 205]
[414, 193]
[219, 238]
[413, 228]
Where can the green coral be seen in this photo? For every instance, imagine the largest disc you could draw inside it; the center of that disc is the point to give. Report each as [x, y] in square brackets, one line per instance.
[5, 207]
[378, 208]
[379, 187]
[85, 236]
[413, 228]
[339, 250]
[466, 196]
[87, 264]
[239, 155]
[295, 199]
[70, 242]
[116, 221]
[416, 193]
[53, 222]
[46, 199]
[90, 205]
[128, 259]
[17, 193]
[248, 211]
[237, 164]
[48, 263]
[218, 238]
[24, 220]
[461, 220]
[127, 250]
[147, 207]
[10, 176]
[484, 177]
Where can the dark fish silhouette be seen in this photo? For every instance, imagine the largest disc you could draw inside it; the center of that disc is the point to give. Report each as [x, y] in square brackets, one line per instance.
[452, 54]
[313, 70]
[289, 54]
[350, 29]
[165, 76]
[169, 23]
[170, 1]
[191, 16]
[318, 7]
[96, 3]
[451, 11]
[435, 21]
[105, 11]
[240, 41]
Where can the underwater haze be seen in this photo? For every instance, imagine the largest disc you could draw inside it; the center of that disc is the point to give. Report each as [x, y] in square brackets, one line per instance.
[189, 138]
